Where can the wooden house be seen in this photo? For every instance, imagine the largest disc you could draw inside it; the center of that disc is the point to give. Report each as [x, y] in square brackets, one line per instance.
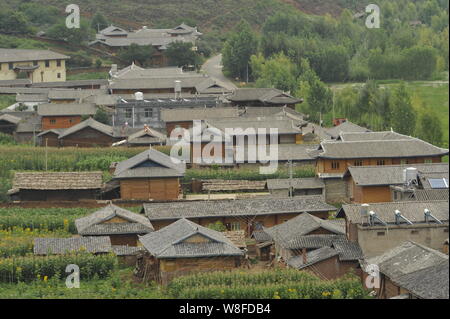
[299, 187]
[373, 184]
[89, 133]
[365, 150]
[144, 137]
[240, 214]
[412, 271]
[56, 186]
[150, 175]
[378, 227]
[8, 123]
[120, 225]
[345, 127]
[184, 247]
[65, 115]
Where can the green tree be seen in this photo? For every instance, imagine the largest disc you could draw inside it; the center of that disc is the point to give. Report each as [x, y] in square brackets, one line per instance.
[102, 117]
[237, 50]
[402, 114]
[429, 127]
[217, 226]
[99, 22]
[73, 36]
[181, 54]
[142, 54]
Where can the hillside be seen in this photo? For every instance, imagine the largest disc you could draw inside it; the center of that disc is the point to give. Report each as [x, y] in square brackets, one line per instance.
[206, 14]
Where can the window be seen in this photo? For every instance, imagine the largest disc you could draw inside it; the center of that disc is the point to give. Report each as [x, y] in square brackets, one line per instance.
[52, 121]
[334, 165]
[235, 226]
[47, 64]
[358, 163]
[404, 161]
[11, 66]
[35, 63]
[414, 232]
[381, 233]
[428, 161]
[58, 63]
[148, 112]
[128, 113]
[380, 162]
[58, 75]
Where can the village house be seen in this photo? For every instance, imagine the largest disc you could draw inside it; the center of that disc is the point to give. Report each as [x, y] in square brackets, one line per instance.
[296, 187]
[61, 246]
[379, 227]
[60, 96]
[262, 97]
[72, 84]
[239, 214]
[56, 186]
[120, 225]
[65, 115]
[412, 271]
[89, 133]
[140, 110]
[184, 247]
[34, 65]
[144, 137]
[112, 39]
[8, 123]
[134, 71]
[22, 125]
[310, 243]
[373, 184]
[150, 175]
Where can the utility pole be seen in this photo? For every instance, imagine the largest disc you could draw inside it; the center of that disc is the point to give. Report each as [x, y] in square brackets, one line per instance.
[46, 154]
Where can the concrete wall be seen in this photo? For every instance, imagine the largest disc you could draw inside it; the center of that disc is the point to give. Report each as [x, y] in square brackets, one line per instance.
[374, 241]
[41, 74]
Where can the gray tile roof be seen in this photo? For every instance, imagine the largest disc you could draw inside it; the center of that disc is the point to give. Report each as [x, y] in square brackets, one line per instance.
[187, 81]
[407, 258]
[282, 123]
[23, 90]
[428, 283]
[240, 207]
[263, 95]
[122, 250]
[371, 136]
[431, 194]
[71, 84]
[60, 246]
[21, 55]
[380, 149]
[312, 257]
[197, 113]
[67, 94]
[103, 128]
[301, 225]
[10, 118]
[261, 236]
[96, 223]
[58, 180]
[311, 241]
[32, 97]
[348, 250]
[165, 166]
[297, 183]
[413, 210]
[15, 83]
[390, 174]
[294, 152]
[170, 242]
[66, 109]
[346, 127]
[133, 72]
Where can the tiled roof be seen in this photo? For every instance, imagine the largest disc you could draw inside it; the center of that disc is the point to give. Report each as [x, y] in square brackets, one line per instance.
[312, 257]
[345, 127]
[264, 95]
[311, 241]
[297, 183]
[347, 250]
[21, 55]
[301, 225]
[197, 113]
[66, 109]
[10, 118]
[94, 224]
[58, 180]
[380, 149]
[413, 211]
[165, 166]
[122, 250]
[407, 258]
[391, 174]
[60, 246]
[283, 124]
[170, 242]
[240, 207]
[91, 123]
[371, 136]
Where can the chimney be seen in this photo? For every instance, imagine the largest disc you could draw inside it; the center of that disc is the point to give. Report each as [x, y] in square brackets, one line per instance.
[304, 253]
[177, 89]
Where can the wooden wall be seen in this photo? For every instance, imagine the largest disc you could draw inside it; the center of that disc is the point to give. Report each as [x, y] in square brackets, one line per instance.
[150, 188]
[61, 122]
[88, 137]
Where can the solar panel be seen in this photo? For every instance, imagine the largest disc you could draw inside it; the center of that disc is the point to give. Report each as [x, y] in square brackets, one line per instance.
[438, 182]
